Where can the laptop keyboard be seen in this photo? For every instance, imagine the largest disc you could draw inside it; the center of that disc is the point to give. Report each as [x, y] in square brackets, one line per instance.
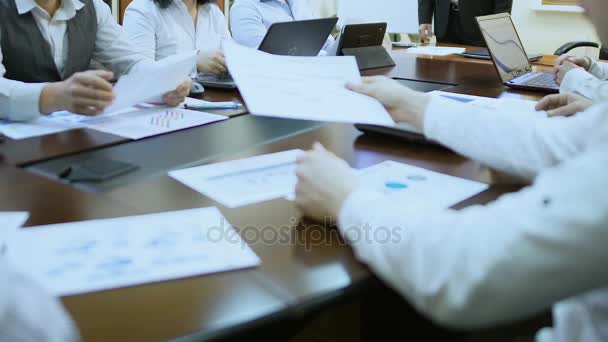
[544, 80]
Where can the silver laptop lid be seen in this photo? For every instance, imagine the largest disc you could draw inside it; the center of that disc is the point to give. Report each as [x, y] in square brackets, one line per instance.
[505, 47]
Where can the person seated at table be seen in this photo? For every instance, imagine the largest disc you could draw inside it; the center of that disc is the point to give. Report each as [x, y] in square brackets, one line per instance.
[46, 48]
[455, 21]
[583, 76]
[162, 28]
[485, 265]
[250, 19]
[28, 313]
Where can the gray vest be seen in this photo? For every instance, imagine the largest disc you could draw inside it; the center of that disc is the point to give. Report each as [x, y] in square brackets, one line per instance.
[26, 54]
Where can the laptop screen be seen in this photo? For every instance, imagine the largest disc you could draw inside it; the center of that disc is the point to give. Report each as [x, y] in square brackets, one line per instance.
[505, 46]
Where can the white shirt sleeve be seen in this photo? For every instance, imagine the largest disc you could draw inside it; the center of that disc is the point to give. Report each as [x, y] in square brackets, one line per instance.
[28, 313]
[522, 144]
[113, 48]
[247, 24]
[19, 101]
[494, 263]
[141, 26]
[599, 70]
[592, 84]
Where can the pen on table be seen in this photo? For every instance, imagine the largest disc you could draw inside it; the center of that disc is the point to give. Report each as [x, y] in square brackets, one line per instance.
[233, 105]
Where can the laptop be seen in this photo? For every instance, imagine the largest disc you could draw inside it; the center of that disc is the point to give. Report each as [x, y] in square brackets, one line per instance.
[509, 56]
[294, 38]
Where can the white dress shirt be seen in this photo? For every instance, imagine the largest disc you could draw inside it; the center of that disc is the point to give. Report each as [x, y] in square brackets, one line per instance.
[591, 84]
[19, 100]
[250, 19]
[28, 313]
[516, 256]
[162, 32]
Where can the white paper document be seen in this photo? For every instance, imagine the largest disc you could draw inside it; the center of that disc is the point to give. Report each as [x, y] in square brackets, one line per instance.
[416, 187]
[514, 106]
[36, 128]
[245, 181]
[81, 257]
[262, 178]
[10, 221]
[435, 50]
[150, 82]
[139, 124]
[307, 88]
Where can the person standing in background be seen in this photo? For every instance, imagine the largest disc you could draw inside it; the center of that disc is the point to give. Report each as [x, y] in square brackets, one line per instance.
[455, 19]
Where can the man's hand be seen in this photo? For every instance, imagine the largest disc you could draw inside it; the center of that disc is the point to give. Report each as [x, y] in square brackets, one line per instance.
[402, 103]
[86, 93]
[426, 32]
[211, 62]
[566, 63]
[324, 183]
[563, 104]
[174, 98]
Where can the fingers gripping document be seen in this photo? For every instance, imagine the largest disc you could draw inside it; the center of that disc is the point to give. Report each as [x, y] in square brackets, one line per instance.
[306, 88]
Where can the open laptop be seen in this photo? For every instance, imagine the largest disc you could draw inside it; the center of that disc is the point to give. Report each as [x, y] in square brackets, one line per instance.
[509, 56]
[294, 38]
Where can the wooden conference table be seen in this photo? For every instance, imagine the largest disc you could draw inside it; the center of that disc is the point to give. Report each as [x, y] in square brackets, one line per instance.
[311, 271]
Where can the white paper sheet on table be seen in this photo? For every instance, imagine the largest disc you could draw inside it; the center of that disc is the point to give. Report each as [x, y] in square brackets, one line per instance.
[36, 128]
[151, 82]
[245, 181]
[435, 50]
[514, 106]
[80, 257]
[307, 88]
[132, 123]
[10, 221]
[262, 178]
[417, 187]
[149, 122]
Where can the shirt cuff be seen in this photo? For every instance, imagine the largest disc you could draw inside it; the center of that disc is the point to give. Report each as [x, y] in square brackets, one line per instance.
[573, 80]
[25, 102]
[598, 70]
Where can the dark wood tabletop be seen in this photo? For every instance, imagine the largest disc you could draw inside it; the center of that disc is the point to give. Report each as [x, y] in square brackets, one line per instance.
[311, 267]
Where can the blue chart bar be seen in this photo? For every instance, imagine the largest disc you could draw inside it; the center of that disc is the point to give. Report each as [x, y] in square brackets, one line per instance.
[396, 185]
[457, 98]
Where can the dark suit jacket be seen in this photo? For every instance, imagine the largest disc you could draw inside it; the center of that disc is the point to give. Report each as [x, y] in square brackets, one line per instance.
[469, 9]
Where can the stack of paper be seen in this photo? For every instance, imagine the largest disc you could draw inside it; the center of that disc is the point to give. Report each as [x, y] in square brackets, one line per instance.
[514, 106]
[306, 88]
[435, 50]
[80, 257]
[131, 123]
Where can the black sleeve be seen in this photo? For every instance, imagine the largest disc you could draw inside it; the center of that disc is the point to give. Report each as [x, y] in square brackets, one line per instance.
[425, 11]
[502, 6]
